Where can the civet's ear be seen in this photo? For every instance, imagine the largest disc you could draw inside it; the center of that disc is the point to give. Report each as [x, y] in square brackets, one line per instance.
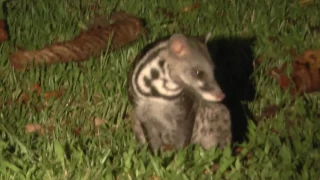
[178, 45]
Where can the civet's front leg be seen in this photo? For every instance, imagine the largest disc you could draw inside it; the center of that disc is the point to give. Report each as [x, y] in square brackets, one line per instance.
[146, 130]
[212, 126]
[138, 131]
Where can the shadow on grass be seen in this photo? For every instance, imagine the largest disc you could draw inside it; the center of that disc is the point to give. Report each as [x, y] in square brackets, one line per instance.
[233, 57]
[4, 8]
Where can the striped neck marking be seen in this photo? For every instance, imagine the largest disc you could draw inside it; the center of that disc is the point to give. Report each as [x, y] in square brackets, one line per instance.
[151, 76]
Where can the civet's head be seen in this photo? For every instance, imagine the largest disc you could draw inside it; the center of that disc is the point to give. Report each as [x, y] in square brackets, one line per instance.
[191, 66]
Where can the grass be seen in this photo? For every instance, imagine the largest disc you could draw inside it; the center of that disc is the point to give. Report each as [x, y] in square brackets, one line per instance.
[277, 151]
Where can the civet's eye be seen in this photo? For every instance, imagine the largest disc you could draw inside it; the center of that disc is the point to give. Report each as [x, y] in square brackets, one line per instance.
[200, 74]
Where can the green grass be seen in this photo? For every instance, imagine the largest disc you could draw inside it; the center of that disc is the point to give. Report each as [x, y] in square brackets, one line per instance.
[278, 151]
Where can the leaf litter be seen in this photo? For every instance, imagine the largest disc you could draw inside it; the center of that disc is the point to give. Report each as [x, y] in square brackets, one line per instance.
[126, 29]
[304, 78]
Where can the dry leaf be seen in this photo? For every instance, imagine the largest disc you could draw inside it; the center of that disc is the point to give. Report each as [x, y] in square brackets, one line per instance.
[206, 171]
[3, 32]
[281, 78]
[53, 94]
[31, 128]
[305, 2]
[238, 150]
[167, 147]
[248, 156]
[191, 8]
[154, 177]
[36, 88]
[170, 14]
[305, 75]
[215, 168]
[257, 62]
[77, 131]
[165, 12]
[25, 97]
[270, 111]
[125, 30]
[98, 121]
[175, 18]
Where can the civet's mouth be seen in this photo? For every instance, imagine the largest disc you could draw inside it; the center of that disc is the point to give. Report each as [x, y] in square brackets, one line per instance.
[212, 96]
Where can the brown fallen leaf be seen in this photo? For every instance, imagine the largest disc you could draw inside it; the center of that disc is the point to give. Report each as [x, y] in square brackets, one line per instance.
[270, 111]
[305, 2]
[77, 131]
[305, 75]
[248, 156]
[175, 18]
[36, 88]
[281, 78]
[192, 7]
[25, 97]
[97, 121]
[257, 62]
[206, 171]
[154, 177]
[167, 147]
[31, 128]
[238, 150]
[165, 12]
[186, 9]
[53, 94]
[215, 168]
[125, 30]
[3, 31]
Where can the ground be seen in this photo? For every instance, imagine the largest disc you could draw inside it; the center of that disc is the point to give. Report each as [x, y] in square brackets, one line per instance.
[86, 133]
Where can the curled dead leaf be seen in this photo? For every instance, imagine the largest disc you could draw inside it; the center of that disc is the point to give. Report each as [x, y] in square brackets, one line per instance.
[186, 9]
[305, 75]
[154, 177]
[77, 131]
[191, 7]
[97, 121]
[36, 88]
[31, 128]
[125, 30]
[305, 2]
[167, 147]
[53, 94]
[238, 150]
[215, 168]
[279, 75]
[248, 156]
[270, 111]
[206, 171]
[24, 98]
[164, 12]
[257, 62]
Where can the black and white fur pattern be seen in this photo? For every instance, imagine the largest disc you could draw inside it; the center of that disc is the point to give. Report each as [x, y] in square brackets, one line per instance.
[168, 85]
[151, 78]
